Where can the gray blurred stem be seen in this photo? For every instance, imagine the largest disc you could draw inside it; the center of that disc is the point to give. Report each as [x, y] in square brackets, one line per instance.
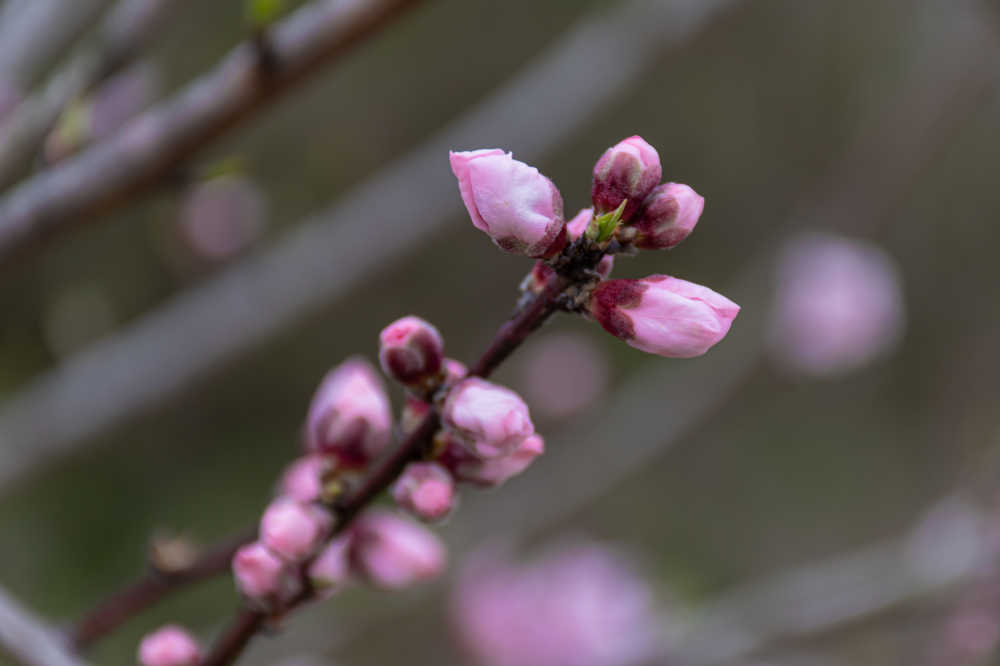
[28, 640]
[33, 33]
[323, 259]
[122, 35]
[155, 143]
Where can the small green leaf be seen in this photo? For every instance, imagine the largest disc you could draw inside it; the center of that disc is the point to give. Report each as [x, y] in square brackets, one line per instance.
[602, 228]
[261, 13]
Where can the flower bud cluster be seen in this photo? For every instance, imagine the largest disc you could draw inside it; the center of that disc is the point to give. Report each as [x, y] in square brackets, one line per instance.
[658, 314]
[488, 436]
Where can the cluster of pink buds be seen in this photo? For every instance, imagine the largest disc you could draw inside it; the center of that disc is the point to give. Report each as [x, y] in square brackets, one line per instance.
[487, 438]
[521, 210]
[317, 535]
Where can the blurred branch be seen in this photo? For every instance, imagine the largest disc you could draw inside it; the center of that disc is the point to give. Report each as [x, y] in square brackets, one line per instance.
[27, 639]
[33, 33]
[124, 32]
[149, 589]
[155, 143]
[824, 596]
[324, 258]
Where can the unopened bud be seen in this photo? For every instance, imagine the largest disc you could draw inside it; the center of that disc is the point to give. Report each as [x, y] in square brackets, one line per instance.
[292, 530]
[261, 575]
[518, 207]
[410, 350]
[303, 478]
[426, 490]
[628, 171]
[349, 416]
[491, 419]
[663, 315]
[169, 646]
[668, 216]
[393, 552]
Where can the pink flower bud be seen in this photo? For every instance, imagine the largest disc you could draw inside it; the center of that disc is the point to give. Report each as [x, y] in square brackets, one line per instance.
[518, 207]
[495, 471]
[169, 646]
[303, 479]
[426, 490]
[491, 419]
[260, 574]
[668, 216]
[332, 567]
[410, 350]
[393, 552]
[629, 170]
[663, 315]
[292, 530]
[349, 415]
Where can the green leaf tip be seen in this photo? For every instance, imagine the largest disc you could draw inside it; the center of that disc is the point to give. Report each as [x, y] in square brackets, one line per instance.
[602, 228]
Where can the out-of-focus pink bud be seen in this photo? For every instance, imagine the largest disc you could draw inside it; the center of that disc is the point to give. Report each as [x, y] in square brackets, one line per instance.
[494, 471]
[839, 305]
[668, 216]
[169, 646]
[303, 478]
[222, 217]
[293, 530]
[394, 552]
[410, 350]
[350, 415]
[629, 170]
[575, 229]
[260, 574]
[561, 374]
[663, 315]
[332, 567]
[426, 490]
[518, 207]
[491, 419]
[578, 605]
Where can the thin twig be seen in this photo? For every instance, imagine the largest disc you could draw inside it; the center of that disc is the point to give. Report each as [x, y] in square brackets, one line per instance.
[27, 639]
[156, 142]
[149, 589]
[124, 32]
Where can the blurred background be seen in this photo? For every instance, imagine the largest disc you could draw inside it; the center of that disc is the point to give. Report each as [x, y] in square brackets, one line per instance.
[819, 489]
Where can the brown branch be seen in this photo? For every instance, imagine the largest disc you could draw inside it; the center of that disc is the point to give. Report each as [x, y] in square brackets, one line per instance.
[158, 141]
[109, 614]
[510, 335]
